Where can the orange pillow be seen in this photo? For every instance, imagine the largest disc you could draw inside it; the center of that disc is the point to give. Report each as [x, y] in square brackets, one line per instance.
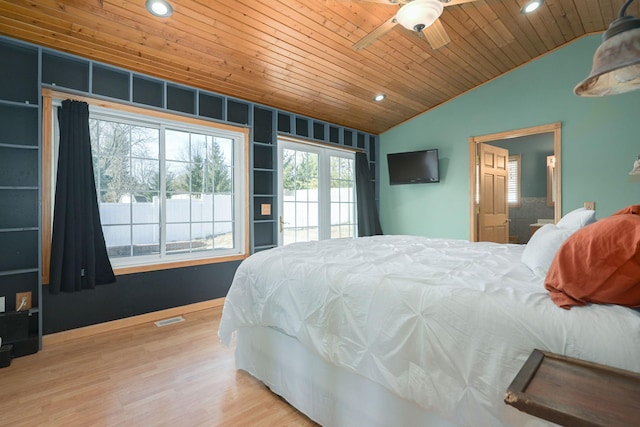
[599, 263]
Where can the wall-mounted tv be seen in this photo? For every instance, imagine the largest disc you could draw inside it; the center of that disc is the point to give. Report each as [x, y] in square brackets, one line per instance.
[415, 167]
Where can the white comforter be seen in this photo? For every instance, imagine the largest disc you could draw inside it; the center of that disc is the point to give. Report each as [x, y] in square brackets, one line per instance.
[444, 323]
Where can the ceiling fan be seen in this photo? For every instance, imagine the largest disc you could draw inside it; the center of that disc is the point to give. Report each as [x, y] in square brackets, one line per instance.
[419, 16]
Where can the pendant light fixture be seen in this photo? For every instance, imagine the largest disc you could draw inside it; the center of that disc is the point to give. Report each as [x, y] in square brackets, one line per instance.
[616, 63]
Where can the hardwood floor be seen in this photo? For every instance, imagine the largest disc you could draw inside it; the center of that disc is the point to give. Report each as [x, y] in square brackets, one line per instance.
[175, 375]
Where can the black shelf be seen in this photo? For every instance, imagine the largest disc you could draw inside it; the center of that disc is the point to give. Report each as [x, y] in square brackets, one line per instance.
[302, 126]
[263, 183]
[347, 136]
[181, 99]
[319, 131]
[18, 168]
[111, 82]
[21, 330]
[264, 234]
[334, 134]
[237, 112]
[64, 71]
[19, 147]
[20, 249]
[19, 74]
[258, 217]
[17, 187]
[24, 104]
[263, 157]
[263, 129]
[19, 126]
[372, 149]
[19, 271]
[148, 91]
[10, 230]
[211, 106]
[284, 122]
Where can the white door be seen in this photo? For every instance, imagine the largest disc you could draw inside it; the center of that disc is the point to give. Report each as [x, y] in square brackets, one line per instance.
[316, 193]
[493, 224]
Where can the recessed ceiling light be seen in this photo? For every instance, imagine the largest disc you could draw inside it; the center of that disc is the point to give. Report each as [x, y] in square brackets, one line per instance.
[379, 97]
[531, 6]
[160, 8]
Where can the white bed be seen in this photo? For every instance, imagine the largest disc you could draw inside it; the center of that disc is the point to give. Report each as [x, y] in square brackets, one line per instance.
[404, 330]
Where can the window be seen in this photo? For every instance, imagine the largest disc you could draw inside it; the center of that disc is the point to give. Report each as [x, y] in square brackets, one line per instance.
[171, 191]
[513, 181]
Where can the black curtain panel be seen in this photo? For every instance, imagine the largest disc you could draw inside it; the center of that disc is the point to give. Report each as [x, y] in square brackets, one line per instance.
[368, 221]
[79, 257]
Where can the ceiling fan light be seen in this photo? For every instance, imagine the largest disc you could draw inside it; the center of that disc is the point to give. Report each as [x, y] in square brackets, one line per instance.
[616, 62]
[160, 8]
[530, 6]
[419, 14]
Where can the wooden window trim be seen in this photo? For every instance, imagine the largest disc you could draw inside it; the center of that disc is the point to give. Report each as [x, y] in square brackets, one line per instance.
[518, 159]
[48, 95]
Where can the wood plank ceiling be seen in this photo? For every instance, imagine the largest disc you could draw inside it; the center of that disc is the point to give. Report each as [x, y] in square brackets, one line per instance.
[296, 55]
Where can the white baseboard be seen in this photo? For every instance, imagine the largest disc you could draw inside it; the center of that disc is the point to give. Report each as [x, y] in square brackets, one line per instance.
[129, 321]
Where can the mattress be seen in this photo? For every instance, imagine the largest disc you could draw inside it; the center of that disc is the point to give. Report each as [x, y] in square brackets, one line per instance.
[328, 394]
[443, 324]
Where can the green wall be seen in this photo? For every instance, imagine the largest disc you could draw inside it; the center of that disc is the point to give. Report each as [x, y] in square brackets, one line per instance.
[600, 141]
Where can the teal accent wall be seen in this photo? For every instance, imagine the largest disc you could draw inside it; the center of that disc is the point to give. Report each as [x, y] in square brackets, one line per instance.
[600, 141]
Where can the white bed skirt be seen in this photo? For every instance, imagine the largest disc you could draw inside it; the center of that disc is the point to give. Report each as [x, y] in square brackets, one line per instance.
[325, 393]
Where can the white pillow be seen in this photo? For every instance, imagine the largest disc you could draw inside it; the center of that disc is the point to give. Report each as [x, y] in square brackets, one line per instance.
[577, 218]
[542, 247]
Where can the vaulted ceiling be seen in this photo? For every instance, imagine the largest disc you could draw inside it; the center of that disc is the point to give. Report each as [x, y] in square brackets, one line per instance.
[297, 55]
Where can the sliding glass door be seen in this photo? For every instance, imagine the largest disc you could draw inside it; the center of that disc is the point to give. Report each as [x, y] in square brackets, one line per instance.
[316, 193]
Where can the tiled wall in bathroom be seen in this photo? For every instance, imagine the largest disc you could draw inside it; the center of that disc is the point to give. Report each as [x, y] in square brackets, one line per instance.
[530, 210]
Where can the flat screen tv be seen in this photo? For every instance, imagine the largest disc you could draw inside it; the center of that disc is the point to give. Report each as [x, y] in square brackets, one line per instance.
[415, 167]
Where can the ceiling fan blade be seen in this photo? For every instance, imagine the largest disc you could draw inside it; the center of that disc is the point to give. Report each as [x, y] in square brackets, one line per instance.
[455, 2]
[436, 35]
[381, 30]
[385, 1]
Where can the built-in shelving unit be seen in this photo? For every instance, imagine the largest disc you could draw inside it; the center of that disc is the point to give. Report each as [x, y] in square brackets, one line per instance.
[20, 196]
[264, 176]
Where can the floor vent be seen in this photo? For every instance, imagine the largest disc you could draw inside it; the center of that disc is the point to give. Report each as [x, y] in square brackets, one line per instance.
[169, 321]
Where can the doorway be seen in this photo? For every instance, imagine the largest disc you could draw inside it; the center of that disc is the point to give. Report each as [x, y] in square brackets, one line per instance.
[502, 139]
